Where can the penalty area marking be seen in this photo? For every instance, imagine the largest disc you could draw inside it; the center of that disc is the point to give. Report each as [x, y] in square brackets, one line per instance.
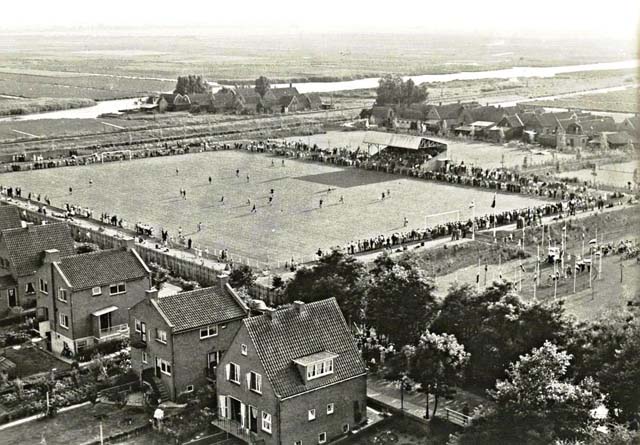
[26, 134]
[113, 125]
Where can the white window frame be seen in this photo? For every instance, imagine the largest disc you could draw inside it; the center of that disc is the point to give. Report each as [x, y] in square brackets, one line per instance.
[165, 366]
[64, 317]
[26, 288]
[320, 369]
[145, 357]
[258, 380]
[137, 325]
[62, 295]
[209, 331]
[243, 349]
[161, 336]
[190, 388]
[311, 415]
[231, 376]
[95, 291]
[346, 428]
[43, 286]
[121, 288]
[266, 422]
[322, 437]
[297, 442]
[331, 408]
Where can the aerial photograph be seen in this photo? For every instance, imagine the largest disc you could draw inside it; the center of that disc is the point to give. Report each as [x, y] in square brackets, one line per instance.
[318, 223]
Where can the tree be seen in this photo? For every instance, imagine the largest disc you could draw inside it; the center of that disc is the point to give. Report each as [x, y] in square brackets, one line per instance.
[242, 276]
[400, 300]
[497, 326]
[609, 350]
[392, 90]
[262, 85]
[191, 84]
[437, 365]
[336, 275]
[536, 398]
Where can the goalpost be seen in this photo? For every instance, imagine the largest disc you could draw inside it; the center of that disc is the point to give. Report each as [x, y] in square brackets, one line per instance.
[124, 152]
[442, 218]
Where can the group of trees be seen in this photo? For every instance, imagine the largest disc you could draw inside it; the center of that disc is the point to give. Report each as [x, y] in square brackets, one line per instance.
[392, 90]
[545, 374]
[262, 85]
[191, 84]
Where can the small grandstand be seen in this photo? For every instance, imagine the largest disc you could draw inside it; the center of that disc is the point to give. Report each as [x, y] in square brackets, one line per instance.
[403, 149]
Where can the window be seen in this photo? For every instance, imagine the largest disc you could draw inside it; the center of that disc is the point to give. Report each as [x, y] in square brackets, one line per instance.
[161, 336]
[297, 442]
[62, 295]
[145, 357]
[209, 331]
[189, 388]
[44, 286]
[255, 382]
[165, 367]
[330, 408]
[311, 414]
[96, 291]
[243, 349]
[116, 289]
[345, 428]
[137, 325]
[64, 321]
[322, 437]
[320, 369]
[266, 422]
[233, 373]
[29, 289]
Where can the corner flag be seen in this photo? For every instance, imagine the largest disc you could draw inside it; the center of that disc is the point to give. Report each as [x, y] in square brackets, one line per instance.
[493, 203]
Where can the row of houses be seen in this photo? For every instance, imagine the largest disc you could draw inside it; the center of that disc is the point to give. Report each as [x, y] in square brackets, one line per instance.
[292, 375]
[566, 129]
[242, 100]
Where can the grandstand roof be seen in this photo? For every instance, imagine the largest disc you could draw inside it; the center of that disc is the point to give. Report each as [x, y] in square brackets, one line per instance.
[396, 140]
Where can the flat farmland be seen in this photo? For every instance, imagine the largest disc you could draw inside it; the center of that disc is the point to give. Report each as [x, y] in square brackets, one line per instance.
[624, 101]
[294, 226]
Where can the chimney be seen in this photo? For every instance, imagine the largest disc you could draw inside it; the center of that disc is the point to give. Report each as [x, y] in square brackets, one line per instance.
[300, 307]
[290, 84]
[151, 294]
[223, 280]
[440, 104]
[51, 256]
[270, 313]
[128, 244]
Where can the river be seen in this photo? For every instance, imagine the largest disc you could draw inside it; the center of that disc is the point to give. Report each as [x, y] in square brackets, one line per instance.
[113, 106]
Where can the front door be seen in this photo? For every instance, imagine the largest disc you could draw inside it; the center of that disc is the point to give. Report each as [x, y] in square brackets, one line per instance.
[357, 413]
[235, 410]
[158, 368]
[105, 323]
[12, 297]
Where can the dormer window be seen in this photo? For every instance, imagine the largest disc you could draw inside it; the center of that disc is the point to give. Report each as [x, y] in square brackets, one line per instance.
[315, 365]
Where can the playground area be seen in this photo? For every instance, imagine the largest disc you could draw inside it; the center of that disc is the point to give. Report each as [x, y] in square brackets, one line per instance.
[293, 224]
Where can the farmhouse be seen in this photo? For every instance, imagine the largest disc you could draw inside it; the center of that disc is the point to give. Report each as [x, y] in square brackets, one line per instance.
[21, 255]
[178, 340]
[292, 376]
[84, 299]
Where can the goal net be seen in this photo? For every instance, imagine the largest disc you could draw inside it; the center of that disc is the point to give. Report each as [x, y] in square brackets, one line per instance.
[442, 218]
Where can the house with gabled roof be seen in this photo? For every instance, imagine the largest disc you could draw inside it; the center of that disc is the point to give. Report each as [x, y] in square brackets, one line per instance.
[292, 376]
[9, 217]
[177, 341]
[21, 255]
[84, 299]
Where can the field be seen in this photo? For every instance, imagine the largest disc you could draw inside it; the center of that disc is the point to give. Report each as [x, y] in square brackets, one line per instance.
[625, 101]
[148, 191]
[617, 175]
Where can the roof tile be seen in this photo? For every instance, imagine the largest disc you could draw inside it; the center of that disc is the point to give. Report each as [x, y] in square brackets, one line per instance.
[102, 268]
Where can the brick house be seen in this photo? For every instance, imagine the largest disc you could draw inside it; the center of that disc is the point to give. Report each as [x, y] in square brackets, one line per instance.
[84, 299]
[292, 376]
[21, 254]
[179, 339]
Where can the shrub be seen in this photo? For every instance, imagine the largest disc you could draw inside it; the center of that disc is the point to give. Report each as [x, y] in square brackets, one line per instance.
[105, 348]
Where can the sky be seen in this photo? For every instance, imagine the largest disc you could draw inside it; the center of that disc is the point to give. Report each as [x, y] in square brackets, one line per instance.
[612, 19]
